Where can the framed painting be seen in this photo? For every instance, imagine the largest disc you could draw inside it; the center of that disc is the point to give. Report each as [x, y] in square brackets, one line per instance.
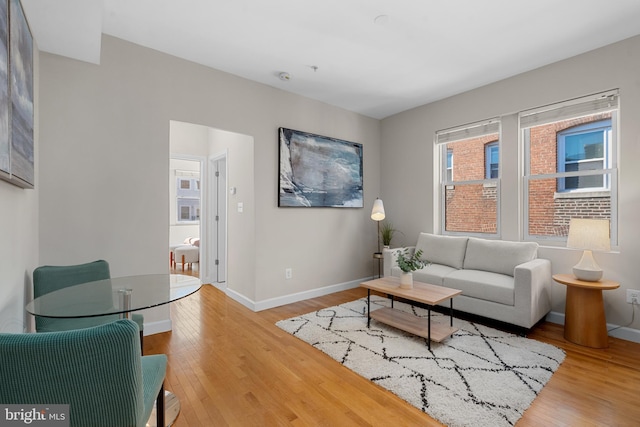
[21, 95]
[318, 171]
[5, 152]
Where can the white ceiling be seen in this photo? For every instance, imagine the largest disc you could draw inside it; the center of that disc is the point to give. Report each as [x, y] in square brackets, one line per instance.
[423, 51]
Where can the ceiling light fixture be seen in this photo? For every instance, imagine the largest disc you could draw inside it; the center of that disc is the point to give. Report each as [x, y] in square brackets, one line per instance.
[284, 76]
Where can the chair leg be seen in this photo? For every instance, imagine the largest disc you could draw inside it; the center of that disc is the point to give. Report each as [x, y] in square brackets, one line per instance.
[160, 408]
[182, 262]
[141, 343]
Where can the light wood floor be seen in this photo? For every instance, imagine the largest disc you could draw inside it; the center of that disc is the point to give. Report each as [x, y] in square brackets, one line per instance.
[233, 367]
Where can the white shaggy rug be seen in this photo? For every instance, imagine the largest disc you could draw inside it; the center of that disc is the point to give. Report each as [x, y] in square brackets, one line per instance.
[478, 377]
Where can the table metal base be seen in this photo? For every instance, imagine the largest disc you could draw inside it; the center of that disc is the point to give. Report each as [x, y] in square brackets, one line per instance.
[171, 410]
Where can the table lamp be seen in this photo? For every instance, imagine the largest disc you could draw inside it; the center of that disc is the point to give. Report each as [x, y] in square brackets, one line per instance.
[377, 214]
[588, 235]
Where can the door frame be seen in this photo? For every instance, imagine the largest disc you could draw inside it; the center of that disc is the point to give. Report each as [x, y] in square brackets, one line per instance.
[212, 237]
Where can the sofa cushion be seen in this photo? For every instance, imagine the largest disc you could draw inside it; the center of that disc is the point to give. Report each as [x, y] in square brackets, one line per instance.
[445, 250]
[498, 256]
[433, 274]
[483, 285]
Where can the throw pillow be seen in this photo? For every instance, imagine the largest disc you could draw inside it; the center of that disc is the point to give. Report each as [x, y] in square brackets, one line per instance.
[445, 250]
[498, 256]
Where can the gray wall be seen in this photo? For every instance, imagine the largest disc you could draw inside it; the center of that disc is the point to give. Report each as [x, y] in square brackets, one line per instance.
[408, 153]
[102, 149]
[19, 236]
[104, 166]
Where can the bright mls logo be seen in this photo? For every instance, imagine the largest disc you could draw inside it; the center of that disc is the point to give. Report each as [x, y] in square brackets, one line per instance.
[34, 415]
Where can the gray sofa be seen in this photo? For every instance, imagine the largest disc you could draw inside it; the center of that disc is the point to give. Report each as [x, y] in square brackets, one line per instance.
[500, 280]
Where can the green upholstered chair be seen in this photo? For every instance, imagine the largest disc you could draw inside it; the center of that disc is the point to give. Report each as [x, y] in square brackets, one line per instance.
[49, 278]
[99, 372]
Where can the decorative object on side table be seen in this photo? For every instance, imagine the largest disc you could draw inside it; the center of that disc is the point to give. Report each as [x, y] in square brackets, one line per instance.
[589, 235]
[408, 263]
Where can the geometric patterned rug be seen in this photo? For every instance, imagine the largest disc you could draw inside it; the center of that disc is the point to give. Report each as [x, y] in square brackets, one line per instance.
[477, 377]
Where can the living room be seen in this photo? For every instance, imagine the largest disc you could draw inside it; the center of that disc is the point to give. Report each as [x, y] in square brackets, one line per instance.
[102, 151]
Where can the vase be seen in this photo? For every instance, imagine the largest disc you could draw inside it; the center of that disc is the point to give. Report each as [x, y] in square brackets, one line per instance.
[406, 280]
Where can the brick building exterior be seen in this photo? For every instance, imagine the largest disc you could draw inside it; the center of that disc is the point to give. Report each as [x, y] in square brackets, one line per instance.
[473, 207]
[550, 210]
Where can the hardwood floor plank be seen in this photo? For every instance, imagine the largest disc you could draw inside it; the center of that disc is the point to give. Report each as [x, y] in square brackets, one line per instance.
[233, 367]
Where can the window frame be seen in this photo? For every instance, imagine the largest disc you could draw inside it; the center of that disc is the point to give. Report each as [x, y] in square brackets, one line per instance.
[488, 148]
[185, 198]
[606, 102]
[605, 159]
[441, 146]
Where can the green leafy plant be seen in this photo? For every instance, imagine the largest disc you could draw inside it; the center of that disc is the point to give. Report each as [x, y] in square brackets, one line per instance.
[387, 231]
[408, 262]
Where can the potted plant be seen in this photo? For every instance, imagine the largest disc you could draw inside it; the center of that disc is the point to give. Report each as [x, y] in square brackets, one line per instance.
[409, 263]
[386, 233]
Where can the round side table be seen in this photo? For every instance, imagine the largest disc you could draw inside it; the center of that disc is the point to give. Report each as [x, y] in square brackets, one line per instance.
[380, 257]
[585, 322]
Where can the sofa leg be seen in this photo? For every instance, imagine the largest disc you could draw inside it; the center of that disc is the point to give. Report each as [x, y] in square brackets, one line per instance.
[182, 262]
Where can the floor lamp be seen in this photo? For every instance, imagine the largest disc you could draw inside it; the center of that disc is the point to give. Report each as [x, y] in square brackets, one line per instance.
[377, 214]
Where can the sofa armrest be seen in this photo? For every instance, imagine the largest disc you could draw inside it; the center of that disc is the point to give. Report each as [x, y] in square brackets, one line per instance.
[390, 258]
[532, 286]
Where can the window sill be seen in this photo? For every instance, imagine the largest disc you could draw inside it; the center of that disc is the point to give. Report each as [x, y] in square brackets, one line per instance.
[581, 194]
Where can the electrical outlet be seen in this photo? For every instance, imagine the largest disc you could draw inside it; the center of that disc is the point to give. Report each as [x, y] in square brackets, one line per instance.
[288, 274]
[633, 296]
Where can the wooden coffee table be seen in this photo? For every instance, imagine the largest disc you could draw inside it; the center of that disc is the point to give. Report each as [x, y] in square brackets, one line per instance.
[422, 293]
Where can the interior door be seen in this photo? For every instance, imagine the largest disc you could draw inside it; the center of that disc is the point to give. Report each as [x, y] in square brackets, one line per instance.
[219, 219]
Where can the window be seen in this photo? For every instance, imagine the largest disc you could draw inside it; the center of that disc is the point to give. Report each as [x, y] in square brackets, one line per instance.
[188, 199]
[570, 169]
[449, 165]
[469, 199]
[584, 147]
[491, 160]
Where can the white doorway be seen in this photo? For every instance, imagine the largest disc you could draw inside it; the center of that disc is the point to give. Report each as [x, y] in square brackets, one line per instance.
[187, 196]
[226, 234]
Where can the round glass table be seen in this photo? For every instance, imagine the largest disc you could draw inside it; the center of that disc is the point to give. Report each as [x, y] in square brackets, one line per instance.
[119, 295]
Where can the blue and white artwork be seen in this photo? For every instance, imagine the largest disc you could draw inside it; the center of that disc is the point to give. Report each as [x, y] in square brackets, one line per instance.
[5, 152]
[21, 88]
[318, 171]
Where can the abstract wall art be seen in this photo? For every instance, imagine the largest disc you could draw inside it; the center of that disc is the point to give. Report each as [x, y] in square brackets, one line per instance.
[21, 88]
[16, 96]
[5, 151]
[318, 171]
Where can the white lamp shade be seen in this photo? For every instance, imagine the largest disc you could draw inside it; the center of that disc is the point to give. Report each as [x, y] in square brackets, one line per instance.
[377, 213]
[589, 234]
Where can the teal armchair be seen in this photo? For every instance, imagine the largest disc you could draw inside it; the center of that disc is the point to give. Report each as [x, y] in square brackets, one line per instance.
[50, 278]
[98, 371]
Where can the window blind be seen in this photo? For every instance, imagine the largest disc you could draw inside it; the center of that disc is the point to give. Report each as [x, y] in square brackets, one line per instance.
[469, 131]
[598, 103]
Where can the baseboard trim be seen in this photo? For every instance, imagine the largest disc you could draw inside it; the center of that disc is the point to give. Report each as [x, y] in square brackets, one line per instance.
[151, 328]
[291, 298]
[622, 332]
